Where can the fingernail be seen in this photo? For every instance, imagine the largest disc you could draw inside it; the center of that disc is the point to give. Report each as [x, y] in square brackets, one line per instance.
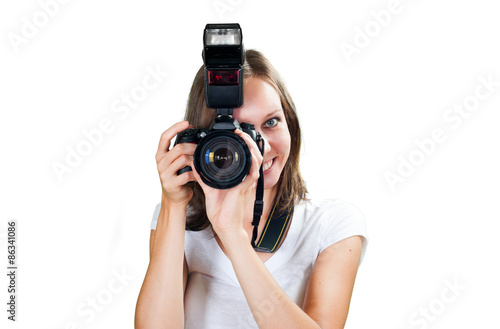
[185, 123]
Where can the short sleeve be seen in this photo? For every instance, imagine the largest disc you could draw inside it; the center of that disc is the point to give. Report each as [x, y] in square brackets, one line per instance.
[155, 216]
[339, 221]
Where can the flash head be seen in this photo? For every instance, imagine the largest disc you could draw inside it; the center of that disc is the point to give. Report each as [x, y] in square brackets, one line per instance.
[222, 36]
[223, 56]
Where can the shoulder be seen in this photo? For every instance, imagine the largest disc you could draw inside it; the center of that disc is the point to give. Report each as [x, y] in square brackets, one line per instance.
[330, 211]
[333, 220]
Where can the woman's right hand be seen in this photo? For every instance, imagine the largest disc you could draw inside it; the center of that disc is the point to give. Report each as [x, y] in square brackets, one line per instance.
[170, 161]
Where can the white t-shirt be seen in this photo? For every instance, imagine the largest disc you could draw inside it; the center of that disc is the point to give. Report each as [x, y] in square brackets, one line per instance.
[214, 298]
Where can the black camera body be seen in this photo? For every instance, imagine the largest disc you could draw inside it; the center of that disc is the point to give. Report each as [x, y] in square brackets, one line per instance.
[222, 158]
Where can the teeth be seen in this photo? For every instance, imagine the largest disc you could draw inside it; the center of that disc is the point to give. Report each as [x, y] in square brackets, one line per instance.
[267, 165]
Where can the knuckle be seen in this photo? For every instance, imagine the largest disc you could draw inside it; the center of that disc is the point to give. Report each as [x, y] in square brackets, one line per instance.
[182, 147]
[188, 147]
[254, 174]
[185, 148]
[161, 161]
[164, 182]
[165, 135]
[159, 156]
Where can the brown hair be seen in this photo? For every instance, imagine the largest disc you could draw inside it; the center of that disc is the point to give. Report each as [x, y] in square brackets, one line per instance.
[291, 185]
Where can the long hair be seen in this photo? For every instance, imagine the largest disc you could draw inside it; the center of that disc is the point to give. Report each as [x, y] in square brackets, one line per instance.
[291, 185]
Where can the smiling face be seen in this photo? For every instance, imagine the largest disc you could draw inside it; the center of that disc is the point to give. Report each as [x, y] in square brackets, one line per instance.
[262, 108]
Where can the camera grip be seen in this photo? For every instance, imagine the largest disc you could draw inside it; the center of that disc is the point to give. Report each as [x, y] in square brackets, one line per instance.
[183, 170]
[186, 136]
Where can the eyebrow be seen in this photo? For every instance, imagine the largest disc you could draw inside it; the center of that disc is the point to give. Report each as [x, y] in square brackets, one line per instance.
[274, 112]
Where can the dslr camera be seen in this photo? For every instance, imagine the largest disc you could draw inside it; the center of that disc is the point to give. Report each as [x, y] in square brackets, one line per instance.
[222, 158]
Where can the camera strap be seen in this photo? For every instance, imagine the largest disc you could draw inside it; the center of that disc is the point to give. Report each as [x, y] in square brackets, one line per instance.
[274, 230]
[276, 223]
[258, 207]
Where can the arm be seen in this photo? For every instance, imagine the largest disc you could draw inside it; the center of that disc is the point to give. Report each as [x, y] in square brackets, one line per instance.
[161, 299]
[270, 305]
[330, 286]
[328, 292]
[185, 269]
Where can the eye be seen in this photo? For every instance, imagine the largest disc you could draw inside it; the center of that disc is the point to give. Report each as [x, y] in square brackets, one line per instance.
[272, 122]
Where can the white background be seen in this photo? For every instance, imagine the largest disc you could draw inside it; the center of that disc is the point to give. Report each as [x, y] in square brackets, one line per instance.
[360, 118]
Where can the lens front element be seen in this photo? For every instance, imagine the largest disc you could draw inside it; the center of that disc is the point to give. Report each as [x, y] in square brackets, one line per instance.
[222, 159]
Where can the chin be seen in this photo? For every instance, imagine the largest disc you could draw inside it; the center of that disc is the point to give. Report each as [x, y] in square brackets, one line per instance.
[271, 181]
[273, 175]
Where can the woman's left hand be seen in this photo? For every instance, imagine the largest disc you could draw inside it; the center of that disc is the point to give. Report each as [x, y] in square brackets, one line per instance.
[226, 209]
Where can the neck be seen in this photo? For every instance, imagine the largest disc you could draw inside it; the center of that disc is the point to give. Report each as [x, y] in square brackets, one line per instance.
[269, 196]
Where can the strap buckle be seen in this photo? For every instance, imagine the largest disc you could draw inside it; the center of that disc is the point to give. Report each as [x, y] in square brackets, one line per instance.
[257, 211]
[258, 207]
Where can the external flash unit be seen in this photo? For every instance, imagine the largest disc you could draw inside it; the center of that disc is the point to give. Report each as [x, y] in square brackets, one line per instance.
[223, 56]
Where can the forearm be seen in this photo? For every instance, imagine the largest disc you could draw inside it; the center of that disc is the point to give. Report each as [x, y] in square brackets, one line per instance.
[270, 305]
[161, 300]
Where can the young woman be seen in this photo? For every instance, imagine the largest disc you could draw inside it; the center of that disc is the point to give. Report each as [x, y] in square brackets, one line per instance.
[203, 271]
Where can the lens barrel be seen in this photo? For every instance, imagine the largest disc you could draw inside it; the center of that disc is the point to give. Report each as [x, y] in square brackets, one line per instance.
[223, 159]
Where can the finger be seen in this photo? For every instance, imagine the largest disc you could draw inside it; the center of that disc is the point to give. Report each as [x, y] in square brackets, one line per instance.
[252, 145]
[173, 183]
[180, 163]
[167, 136]
[175, 159]
[252, 176]
[183, 178]
[171, 156]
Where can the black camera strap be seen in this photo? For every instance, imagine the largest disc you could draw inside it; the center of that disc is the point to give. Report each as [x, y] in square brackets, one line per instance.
[276, 223]
[258, 207]
[274, 230]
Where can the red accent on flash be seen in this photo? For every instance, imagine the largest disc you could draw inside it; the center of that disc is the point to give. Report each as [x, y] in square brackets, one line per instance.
[224, 78]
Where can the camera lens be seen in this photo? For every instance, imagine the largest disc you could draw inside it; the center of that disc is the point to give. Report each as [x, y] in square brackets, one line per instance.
[222, 159]
[221, 162]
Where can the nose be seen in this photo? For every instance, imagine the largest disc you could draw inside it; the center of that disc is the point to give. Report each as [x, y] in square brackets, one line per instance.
[267, 146]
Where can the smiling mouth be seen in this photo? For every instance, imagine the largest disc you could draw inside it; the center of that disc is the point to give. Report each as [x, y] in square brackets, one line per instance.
[268, 165]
